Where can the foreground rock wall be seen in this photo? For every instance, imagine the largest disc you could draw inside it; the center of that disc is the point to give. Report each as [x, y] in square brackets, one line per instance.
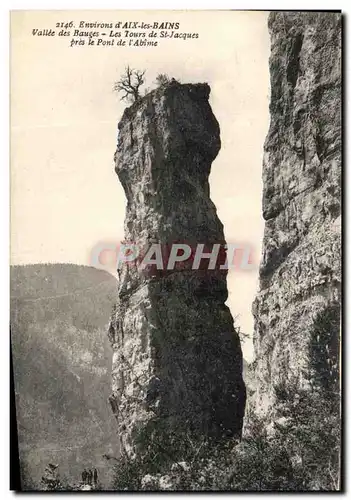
[177, 359]
[300, 267]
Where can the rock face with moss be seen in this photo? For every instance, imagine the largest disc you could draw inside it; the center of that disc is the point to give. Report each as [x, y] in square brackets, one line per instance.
[177, 358]
[297, 308]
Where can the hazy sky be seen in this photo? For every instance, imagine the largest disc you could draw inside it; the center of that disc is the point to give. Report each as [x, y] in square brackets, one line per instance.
[65, 196]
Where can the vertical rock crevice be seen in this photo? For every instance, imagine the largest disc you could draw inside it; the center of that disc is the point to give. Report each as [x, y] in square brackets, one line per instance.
[301, 262]
[177, 361]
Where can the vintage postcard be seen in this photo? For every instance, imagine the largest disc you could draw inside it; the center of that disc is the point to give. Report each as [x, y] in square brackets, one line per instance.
[176, 250]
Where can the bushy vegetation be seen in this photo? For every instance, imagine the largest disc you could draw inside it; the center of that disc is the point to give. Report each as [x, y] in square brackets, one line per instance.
[300, 451]
[297, 450]
[162, 79]
[61, 402]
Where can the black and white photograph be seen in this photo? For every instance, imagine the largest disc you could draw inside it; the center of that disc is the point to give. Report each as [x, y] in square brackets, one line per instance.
[176, 250]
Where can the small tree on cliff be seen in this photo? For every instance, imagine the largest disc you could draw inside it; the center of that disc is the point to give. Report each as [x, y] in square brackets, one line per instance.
[129, 84]
[162, 79]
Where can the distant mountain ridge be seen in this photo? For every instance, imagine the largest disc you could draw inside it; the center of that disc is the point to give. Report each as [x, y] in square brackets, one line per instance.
[62, 367]
[33, 280]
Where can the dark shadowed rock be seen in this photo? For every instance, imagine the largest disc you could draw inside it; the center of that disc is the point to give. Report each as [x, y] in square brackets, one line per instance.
[177, 358]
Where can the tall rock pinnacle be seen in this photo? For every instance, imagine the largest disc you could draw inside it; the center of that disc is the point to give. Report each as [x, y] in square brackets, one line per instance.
[177, 361]
[297, 310]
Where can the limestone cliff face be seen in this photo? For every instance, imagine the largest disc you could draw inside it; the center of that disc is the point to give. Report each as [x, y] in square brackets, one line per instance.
[177, 358]
[300, 267]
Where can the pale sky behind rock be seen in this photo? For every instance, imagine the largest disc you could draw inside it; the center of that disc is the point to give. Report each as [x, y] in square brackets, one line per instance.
[65, 195]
